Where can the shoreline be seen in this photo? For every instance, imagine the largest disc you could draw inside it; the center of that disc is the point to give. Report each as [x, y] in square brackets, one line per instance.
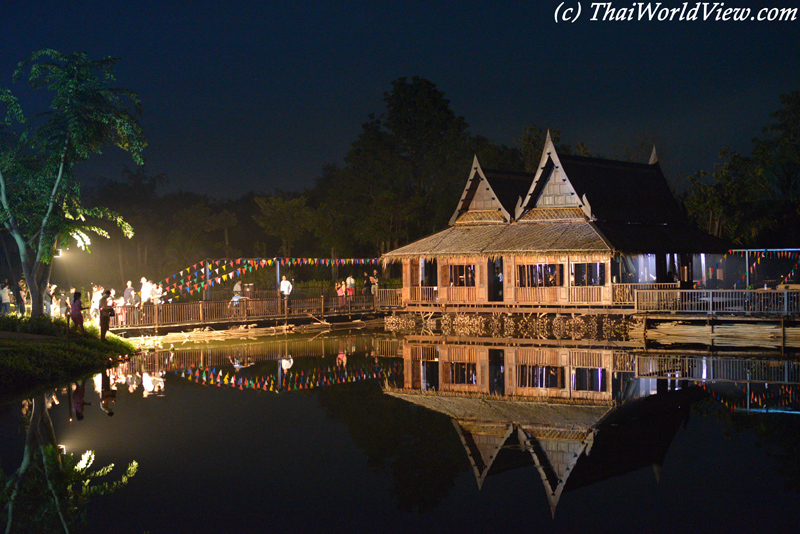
[31, 362]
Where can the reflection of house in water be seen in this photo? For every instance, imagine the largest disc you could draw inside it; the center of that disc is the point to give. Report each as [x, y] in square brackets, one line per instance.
[569, 445]
[534, 372]
[577, 416]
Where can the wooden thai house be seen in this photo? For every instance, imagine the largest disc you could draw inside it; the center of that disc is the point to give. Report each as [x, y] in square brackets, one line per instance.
[580, 232]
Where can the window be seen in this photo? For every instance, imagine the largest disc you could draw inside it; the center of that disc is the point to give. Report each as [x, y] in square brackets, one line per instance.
[463, 373]
[588, 274]
[546, 376]
[589, 379]
[540, 275]
[462, 275]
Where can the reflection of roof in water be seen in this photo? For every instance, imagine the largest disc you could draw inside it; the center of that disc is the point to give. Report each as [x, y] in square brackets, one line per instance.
[481, 408]
[570, 446]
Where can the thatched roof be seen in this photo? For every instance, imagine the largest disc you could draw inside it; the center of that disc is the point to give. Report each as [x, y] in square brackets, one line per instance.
[490, 241]
[533, 414]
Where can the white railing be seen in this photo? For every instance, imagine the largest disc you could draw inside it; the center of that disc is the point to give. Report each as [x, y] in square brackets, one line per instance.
[719, 301]
[625, 293]
[725, 369]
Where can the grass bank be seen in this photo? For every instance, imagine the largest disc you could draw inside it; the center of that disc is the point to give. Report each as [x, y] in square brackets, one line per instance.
[34, 352]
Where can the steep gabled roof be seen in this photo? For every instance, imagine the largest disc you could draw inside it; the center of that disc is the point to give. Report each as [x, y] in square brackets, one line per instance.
[482, 441]
[488, 191]
[619, 191]
[606, 190]
[510, 187]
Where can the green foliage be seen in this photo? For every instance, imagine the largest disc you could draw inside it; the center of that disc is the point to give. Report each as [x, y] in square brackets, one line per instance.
[755, 201]
[728, 202]
[74, 484]
[285, 219]
[40, 203]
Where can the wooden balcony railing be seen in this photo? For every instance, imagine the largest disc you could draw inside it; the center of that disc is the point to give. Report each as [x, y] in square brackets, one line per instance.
[588, 294]
[459, 294]
[389, 298]
[549, 295]
[425, 294]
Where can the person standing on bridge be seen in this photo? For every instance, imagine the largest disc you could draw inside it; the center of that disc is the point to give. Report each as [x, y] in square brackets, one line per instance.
[147, 288]
[128, 293]
[286, 290]
[374, 281]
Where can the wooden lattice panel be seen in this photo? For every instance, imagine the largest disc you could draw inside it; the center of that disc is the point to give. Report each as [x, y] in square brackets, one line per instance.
[425, 353]
[554, 214]
[540, 357]
[480, 216]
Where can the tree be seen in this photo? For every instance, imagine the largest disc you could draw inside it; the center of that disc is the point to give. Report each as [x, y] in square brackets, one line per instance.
[401, 174]
[777, 158]
[40, 202]
[284, 219]
[50, 490]
[728, 203]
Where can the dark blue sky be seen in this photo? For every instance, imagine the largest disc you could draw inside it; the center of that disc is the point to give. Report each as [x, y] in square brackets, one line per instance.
[253, 96]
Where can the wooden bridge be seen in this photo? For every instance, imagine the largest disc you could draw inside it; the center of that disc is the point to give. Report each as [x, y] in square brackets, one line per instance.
[208, 312]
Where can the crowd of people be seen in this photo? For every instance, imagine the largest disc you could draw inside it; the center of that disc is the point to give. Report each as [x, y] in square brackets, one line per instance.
[101, 303]
[347, 287]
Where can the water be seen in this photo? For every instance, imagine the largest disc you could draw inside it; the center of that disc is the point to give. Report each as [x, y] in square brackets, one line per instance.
[348, 457]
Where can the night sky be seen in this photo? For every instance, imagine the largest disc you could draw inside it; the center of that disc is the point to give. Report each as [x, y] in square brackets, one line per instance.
[260, 95]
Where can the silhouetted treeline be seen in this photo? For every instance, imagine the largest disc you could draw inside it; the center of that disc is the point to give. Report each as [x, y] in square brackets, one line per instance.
[400, 181]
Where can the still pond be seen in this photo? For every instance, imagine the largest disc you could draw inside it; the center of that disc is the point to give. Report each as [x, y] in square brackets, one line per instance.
[376, 433]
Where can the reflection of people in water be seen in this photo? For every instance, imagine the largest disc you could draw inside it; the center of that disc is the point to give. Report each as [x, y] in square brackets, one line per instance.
[108, 396]
[237, 364]
[78, 400]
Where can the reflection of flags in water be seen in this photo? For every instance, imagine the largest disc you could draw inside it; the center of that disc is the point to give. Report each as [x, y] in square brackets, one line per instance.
[303, 379]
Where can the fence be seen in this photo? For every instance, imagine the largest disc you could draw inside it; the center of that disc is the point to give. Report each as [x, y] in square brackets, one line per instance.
[626, 293]
[424, 294]
[718, 369]
[766, 302]
[220, 311]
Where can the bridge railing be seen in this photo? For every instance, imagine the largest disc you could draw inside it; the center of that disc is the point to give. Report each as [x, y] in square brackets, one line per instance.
[768, 302]
[389, 298]
[219, 311]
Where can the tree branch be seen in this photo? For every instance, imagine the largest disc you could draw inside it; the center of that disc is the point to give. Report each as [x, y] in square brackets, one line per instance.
[52, 201]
